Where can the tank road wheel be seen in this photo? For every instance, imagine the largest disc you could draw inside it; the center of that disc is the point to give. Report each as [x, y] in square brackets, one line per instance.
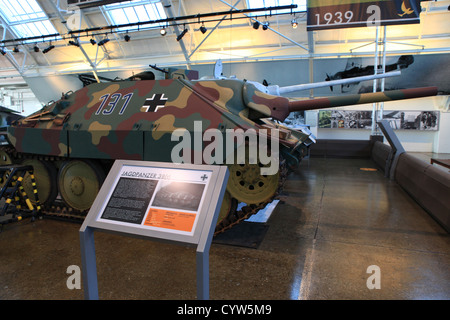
[79, 182]
[247, 185]
[45, 176]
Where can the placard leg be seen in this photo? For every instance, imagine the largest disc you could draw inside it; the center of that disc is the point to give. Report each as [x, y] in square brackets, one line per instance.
[89, 264]
[202, 275]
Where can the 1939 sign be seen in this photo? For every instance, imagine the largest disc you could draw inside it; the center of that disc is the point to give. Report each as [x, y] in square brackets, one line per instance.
[331, 14]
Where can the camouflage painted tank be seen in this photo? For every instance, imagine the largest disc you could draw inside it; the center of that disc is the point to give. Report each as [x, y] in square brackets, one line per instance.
[73, 142]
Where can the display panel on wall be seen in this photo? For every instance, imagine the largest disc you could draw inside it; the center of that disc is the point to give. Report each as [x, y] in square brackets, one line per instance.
[400, 120]
[331, 14]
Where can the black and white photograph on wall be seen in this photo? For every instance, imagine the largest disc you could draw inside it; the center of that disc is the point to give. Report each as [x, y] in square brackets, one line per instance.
[412, 120]
[398, 120]
[345, 119]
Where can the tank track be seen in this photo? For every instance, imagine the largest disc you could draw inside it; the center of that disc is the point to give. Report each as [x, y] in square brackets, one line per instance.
[58, 209]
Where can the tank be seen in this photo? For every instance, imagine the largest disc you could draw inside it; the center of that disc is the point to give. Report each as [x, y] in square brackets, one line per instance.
[73, 142]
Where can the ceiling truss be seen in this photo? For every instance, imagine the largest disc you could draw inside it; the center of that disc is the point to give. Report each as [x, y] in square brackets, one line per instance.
[232, 39]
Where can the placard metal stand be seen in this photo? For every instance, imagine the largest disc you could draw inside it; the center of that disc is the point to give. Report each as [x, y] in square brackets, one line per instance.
[174, 203]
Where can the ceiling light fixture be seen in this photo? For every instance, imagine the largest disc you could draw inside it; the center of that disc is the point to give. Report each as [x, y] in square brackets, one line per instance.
[181, 35]
[36, 48]
[74, 43]
[102, 42]
[265, 26]
[48, 49]
[127, 38]
[16, 49]
[203, 28]
[294, 24]
[92, 41]
[2, 51]
[163, 31]
[256, 25]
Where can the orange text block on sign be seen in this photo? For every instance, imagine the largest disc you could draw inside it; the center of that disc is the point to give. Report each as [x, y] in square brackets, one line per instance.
[175, 220]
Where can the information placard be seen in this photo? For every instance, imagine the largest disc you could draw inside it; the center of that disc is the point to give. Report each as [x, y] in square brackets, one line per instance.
[170, 202]
[156, 199]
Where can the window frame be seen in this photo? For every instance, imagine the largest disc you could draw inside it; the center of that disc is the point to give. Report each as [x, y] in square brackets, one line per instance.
[26, 23]
[117, 13]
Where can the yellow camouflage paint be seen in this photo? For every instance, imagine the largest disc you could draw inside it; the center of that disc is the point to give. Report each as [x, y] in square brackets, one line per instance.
[98, 131]
[163, 125]
[63, 152]
[96, 95]
[262, 107]
[225, 94]
[244, 116]
[182, 99]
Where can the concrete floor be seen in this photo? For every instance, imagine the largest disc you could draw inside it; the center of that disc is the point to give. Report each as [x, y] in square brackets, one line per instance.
[334, 220]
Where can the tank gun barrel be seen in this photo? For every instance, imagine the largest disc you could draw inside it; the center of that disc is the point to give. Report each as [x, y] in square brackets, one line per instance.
[339, 101]
[352, 99]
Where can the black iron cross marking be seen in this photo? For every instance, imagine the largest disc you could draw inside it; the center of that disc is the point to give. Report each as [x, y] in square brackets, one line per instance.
[155, 102]
[204, 177]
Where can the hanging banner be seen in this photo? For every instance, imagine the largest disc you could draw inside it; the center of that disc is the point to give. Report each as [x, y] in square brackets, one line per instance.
[332, 14]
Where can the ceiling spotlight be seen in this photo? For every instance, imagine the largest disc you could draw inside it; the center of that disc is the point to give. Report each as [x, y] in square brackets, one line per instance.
[294, 24]
[74, 43]
[163, 31]
[127, 38]
[203, 28]
[102, 42]
[2, 51]
[256, 25]
[92, 41]
[48, 49]
[36, 48]
[181, 35]
[16, 49]
[265, 26]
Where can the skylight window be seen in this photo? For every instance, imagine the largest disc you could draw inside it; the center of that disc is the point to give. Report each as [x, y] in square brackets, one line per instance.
[135, 11]
[253, 4]
[26, 18]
